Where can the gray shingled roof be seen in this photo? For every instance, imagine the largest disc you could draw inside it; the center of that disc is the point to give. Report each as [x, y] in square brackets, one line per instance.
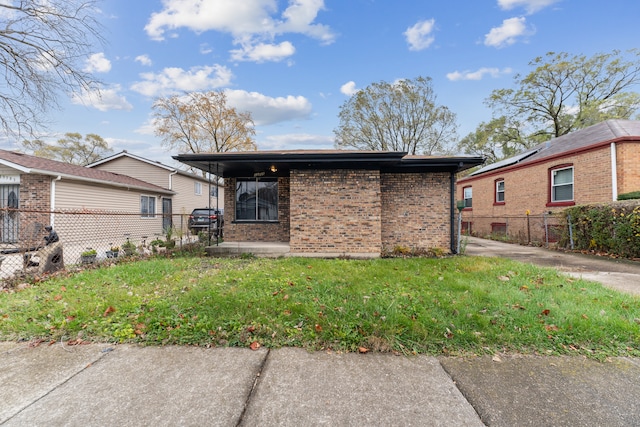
[600, 133]
[39, 165]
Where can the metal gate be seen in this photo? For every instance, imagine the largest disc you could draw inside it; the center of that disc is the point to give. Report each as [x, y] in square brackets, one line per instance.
[9, 218]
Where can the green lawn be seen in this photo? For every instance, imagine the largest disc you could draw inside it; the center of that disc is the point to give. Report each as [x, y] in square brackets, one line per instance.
[457, 305]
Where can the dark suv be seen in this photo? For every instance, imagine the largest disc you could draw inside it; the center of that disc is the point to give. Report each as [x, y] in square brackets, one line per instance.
[205, 219]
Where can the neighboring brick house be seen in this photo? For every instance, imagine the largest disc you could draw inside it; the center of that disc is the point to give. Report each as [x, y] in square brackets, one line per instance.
[191, 191]
[333, 203]
[592, 165]
[35, 192]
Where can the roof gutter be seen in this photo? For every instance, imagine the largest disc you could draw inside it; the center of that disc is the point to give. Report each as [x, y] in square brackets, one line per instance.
[171, 179]
[52, 203]
[614, 172]
[452, 216]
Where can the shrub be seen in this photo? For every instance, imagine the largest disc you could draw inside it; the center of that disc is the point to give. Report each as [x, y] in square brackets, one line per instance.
[613, 228]
[629, 196]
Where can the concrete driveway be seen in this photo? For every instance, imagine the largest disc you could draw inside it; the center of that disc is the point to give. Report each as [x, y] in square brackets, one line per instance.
[622, 275]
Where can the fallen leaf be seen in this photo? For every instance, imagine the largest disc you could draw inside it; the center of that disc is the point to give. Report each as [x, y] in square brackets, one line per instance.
[545, 312]
[251, 328]
[496, 358]
[362, 350]
[108, 311]
[551, 328]
[62, 288]
[504, 278]
[318, 328]
[57, 297]
[254, 345]
[584, 316]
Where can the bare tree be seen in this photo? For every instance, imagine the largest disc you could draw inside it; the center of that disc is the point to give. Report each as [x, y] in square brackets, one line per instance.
[43, 44]
[399, 116]
[203, 122]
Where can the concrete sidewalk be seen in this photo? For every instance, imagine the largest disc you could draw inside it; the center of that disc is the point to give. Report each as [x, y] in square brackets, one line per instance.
[620, 274]
[102, 384]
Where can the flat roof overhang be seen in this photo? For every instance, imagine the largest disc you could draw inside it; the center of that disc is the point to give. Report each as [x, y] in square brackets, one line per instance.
[280, 163]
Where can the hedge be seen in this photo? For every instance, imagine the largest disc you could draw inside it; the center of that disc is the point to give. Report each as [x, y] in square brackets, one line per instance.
[629, 196]
[613, 228]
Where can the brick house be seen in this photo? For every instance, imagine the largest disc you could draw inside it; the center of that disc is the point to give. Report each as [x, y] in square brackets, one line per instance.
[333, 203]
[35, 192]
[191, 191]
[592, 165]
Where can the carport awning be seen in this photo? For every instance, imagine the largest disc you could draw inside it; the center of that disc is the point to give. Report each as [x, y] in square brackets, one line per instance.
[280, 163]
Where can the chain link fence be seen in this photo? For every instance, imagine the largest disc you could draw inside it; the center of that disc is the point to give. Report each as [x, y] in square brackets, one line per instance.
[85, 237]
[542, 230]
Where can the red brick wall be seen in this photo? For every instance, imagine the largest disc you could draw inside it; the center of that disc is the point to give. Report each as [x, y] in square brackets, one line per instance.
[527, 188]
[335, 212]
[35, 195]
[416, 211]
[256, 231]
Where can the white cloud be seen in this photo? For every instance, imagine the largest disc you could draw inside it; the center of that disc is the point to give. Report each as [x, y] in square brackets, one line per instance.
[146, 128]
[507, 33]
[263, 52]
[174, 80]
[349, 88]
[266, 110]
[97, 63]
[250, 22]
[205, 49]
[296, 141]
[478, 74]
[144, 60]
[299, 17]
[419, 36]
[105, 99]
[531, 6]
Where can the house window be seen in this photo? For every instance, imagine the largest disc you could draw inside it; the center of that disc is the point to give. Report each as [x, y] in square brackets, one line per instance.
[147, 206]
[562, 185]
[499, 228]
[214, 191]
[468, 193]
[500, 191]
[198, 188]
[257, 199]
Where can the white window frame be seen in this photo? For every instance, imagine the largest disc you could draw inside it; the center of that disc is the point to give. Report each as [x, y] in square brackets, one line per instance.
[145, 199]
[197, 188]
[499, 192]
[554, 185]
[464, 196]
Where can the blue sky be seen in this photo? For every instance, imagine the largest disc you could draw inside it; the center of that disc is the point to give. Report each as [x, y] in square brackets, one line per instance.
[293, 63]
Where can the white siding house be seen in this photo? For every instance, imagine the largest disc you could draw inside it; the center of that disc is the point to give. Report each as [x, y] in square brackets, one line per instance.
[191, 191]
